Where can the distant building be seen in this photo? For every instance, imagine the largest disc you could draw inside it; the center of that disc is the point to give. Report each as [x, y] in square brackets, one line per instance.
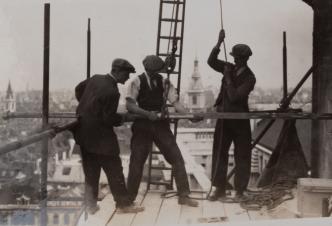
[196, 91]
[9, 101]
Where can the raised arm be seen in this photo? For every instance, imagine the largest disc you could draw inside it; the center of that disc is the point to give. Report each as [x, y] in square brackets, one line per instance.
[213, 61]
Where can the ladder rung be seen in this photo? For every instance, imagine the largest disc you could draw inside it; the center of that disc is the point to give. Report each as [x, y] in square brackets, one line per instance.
[173, 73]
[170, 20]
[169, 37]
[160, 183]
[172, 2]
[166, 54]
[160, 168]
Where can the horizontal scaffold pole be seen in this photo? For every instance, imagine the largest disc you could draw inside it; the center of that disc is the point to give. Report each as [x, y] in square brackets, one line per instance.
[210, 115]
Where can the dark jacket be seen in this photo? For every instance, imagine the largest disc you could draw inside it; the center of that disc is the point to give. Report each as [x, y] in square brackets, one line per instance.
[234, 96]
[98, 102]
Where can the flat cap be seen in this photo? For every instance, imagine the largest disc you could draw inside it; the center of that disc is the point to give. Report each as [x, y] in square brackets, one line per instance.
[153, 63]
[123, 64]
[241, 50]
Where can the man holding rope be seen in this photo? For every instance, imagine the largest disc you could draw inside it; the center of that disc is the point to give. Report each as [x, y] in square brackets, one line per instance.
[238, 81]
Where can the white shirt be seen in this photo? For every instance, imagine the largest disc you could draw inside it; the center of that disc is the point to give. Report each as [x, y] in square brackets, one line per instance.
[135, 85]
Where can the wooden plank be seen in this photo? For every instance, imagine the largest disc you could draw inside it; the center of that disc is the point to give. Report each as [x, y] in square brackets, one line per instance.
[326, 221]
[196, 169]
[121, 219]
[102, 216]
[190, 215]
[169, 212]
[213, 212]
[235, 213]
[152, 203]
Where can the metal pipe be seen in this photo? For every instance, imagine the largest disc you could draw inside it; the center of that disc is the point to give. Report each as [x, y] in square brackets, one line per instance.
[213, 115]
[10, 115]
[50, 132]
[88, 64]
[285, 87]
[44, 156]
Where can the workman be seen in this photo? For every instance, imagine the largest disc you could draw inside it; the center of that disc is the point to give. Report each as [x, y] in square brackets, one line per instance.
[98, 99]
[145, 98]
[237, 83]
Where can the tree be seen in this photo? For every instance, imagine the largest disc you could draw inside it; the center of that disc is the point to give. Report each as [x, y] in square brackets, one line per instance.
[321, 154]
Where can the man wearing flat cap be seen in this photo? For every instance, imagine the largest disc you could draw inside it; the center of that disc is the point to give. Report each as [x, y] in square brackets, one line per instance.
[145, 98]
[98, 99]
[238, 81]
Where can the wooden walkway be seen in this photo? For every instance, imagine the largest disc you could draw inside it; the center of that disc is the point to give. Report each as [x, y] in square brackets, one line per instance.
[165, 211]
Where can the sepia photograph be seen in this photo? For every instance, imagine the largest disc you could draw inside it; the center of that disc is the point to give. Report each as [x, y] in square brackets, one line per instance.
[165, 112]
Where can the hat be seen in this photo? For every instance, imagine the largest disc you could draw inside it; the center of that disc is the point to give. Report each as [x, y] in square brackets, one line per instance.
[241, 50]
[153, 63]
[123, 64]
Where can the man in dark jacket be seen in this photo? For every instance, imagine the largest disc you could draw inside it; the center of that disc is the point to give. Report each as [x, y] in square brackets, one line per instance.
[238, 81]
[98, 102]
[145, 98]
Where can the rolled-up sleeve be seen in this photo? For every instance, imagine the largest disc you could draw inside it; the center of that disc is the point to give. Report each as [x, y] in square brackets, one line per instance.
[172, 96]
[133, 89]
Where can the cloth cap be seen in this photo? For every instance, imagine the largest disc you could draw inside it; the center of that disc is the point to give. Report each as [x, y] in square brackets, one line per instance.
[241, 50]
[153, 63]
[123, 65]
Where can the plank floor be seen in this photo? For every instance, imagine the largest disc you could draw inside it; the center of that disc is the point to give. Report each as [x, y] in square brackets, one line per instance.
[161, 211]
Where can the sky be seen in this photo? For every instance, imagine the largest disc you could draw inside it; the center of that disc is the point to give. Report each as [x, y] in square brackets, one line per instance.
[128, 29]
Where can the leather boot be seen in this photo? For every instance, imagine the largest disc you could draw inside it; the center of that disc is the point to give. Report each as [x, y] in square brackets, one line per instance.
[218, 193]
[186, 200]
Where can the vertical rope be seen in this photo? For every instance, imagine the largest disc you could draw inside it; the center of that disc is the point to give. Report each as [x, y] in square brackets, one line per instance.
[222, 27]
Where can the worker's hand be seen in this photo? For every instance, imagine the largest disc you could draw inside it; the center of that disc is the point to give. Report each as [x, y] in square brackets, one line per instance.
[196, 119]
[153, 116]
[221, 37]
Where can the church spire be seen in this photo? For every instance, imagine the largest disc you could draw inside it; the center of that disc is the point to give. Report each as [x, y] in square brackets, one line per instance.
[9, 93]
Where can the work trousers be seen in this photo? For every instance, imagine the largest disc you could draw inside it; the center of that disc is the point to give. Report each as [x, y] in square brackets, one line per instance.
[228, 131]
[146, 132]
[112, 166]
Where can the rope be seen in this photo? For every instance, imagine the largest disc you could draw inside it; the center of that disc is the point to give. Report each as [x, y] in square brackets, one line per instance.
[170, 30]
[270, 196]
[222, 27]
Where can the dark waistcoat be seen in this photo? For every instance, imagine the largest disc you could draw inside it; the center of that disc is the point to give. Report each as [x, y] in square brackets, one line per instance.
[150, 99]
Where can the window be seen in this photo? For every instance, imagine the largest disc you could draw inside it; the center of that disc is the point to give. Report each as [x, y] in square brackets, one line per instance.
[55, 219]
[3, 218]
[66, 171]
[23, 218]
[194, 100]
[66, 219]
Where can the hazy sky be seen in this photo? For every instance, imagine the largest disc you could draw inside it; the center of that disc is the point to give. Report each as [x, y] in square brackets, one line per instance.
[128, 29]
